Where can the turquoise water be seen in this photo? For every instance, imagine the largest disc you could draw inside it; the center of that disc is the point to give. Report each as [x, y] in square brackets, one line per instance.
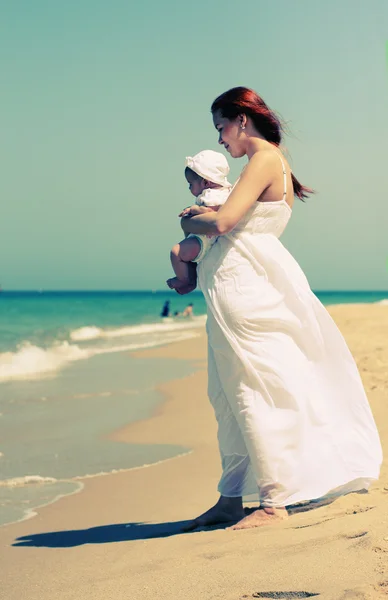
[68, 380]
[42, 333]
[43, 318]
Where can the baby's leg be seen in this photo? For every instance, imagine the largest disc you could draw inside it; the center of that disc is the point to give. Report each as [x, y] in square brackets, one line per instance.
[181, 256]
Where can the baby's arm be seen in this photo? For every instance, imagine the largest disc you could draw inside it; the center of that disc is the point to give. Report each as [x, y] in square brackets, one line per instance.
[197, 210]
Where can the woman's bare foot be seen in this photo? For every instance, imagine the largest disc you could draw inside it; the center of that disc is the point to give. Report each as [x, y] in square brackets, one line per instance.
[262, 516]
[225, 511]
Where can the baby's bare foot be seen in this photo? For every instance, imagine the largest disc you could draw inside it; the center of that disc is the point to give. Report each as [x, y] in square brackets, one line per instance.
[186, 289]
[181, 286]
[174, 283]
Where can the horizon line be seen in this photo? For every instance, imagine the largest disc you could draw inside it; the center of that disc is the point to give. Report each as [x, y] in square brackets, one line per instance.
[157, 291]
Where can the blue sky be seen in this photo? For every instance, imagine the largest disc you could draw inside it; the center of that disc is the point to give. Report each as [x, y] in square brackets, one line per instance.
[102, 101]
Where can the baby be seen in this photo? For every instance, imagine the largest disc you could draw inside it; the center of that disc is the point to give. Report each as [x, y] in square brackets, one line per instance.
[206, 174]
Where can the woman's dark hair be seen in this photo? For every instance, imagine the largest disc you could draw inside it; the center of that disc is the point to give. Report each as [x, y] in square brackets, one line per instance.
[242, 100]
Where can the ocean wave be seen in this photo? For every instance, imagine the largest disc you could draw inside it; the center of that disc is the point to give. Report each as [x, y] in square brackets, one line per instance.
[169, 325]
[26, 480]
[85, 333]
[31, 362]
[383, 302]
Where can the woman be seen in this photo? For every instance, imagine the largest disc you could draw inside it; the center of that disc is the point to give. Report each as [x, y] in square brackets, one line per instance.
[294, 423]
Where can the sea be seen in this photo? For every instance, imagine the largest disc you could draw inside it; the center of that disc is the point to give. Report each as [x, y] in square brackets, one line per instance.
[70, 377]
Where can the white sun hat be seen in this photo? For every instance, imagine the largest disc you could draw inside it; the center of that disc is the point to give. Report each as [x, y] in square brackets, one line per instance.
[210, 165]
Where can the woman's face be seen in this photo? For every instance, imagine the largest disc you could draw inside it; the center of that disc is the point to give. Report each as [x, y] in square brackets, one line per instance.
[229, 134]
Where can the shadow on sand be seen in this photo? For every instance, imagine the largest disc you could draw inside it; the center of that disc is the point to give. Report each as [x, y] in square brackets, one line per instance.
[127, 532]
[120, 532]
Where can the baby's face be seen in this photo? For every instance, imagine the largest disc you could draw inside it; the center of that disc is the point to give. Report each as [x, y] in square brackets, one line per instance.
[196, 184]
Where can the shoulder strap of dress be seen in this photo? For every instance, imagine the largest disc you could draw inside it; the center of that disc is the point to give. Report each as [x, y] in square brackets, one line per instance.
[284, 176]
[235, 183]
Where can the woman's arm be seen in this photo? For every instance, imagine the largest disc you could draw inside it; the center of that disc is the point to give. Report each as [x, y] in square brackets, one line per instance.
[204, 223]
[255, 179]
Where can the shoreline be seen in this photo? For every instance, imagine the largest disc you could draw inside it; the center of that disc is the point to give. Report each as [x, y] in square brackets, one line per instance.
[121, 537]
[78, 482]
[33, 512]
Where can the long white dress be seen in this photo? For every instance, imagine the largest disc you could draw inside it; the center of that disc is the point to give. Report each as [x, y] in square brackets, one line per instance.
[294, 422]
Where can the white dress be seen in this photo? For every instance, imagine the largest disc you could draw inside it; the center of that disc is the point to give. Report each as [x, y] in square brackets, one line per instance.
[294, 422]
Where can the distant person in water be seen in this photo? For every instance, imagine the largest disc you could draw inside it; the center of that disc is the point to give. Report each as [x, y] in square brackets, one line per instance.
[188, 312]
[207, 176]
[166, 309]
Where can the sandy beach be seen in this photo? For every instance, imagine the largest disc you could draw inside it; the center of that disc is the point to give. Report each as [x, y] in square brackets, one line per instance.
[120, 537]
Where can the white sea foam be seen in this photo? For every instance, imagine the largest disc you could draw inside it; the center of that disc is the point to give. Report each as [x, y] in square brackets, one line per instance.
[383, 302]
[31, 362]
[26, 480]
[85, 333]
[169, 325]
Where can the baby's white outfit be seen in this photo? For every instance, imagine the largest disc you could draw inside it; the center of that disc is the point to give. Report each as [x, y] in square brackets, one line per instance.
[213, 167]
[209, 197]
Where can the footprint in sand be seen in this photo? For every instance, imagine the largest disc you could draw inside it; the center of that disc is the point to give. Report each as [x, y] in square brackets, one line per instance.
[381, 549]
[351, 511]
[367, 592]
[353, 536]
[354, 595]
[315, 523]
[383, 586]
[359, 509]
[283, 595]
[213, 556]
